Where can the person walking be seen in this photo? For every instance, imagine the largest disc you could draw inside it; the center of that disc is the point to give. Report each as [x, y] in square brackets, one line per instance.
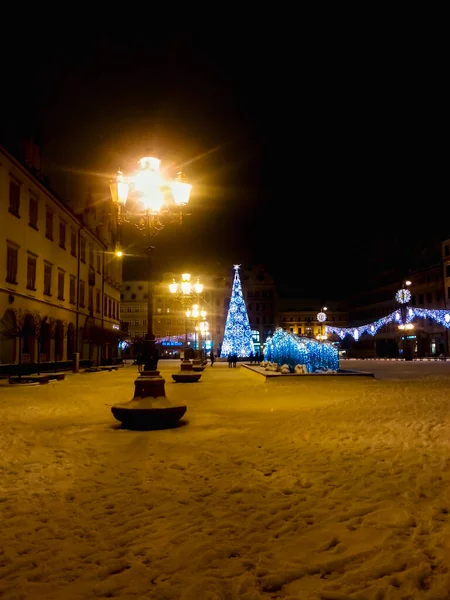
[230, 361]
[251, 357]
[212, 357]
[234, 360]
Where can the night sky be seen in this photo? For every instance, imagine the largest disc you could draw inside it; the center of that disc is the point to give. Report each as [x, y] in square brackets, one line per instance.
[321, 157]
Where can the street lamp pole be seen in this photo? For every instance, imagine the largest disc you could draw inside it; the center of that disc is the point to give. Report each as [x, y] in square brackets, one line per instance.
[154, 201]
[322, 317]
[182, 292]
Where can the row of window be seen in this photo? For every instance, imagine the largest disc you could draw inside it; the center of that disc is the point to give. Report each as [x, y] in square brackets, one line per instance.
[33, 214]
[309, 318]
[111, 306]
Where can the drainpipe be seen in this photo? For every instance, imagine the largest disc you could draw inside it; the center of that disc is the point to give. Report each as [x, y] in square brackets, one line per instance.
[78, 292]
[103, 306]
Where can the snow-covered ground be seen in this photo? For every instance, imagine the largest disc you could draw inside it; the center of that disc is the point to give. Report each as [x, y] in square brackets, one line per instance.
[315, 488]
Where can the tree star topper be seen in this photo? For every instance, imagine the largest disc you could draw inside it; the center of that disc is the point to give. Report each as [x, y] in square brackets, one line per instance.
[236, 267]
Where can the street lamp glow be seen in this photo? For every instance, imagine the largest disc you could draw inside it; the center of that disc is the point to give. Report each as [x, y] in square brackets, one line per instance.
[173, 287]
[119, 253]
[186, 287]
[181, 192]
[151, 185]
[407, 282]
[198, 287]
[119, 189]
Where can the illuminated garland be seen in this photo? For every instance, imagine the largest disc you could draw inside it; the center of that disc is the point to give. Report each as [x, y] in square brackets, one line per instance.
[237, 338]
[291, 349]
[440, 316]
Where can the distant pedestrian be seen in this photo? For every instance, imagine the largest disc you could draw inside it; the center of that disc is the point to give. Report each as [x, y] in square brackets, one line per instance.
[230, 361]
[251, 357]
[212, 357]
[234, 360]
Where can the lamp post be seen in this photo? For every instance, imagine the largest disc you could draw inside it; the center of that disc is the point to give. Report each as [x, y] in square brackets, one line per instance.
[148, 201]
[202, 331]
[183, 292]
[322, 317]
[198, 315]
[403, 297]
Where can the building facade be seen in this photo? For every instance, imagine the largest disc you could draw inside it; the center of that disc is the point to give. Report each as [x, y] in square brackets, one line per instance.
[59, 279]
[302, 320]
[428, 290]
[170, 325]
[169, 319]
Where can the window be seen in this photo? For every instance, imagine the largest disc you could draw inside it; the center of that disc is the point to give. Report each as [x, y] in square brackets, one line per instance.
[438, 296]
[91, 255]
[82, 294]
[136, 308]
[129, 308]
[33, 212]
[60, 284]
[72, 289]
[83, 250]
[105, 305]
[144, 322]
[14, 197]
[429, 297]
[11, 262]
[136, 322]
[47, 279]
[73, 243]
[91, 299]
[98, 262]
[97, 301]
[447, 250]
[49, 224]
[109, 307]
[447, 270]
[31, 272]
[62, 234]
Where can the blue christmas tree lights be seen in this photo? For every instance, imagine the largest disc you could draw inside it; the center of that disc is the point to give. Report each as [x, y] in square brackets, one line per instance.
[237, 338]
[290, 349]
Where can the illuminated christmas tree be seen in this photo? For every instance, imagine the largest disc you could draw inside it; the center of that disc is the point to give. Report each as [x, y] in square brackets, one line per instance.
[237, 338]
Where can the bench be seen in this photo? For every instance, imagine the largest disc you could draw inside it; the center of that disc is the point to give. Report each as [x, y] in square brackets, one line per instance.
[29, 379]
[57, 376]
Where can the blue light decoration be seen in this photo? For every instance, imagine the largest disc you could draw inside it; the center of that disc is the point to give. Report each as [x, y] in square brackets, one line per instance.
[403, 296]
[440, 316]
[237, 338]
[291, 349]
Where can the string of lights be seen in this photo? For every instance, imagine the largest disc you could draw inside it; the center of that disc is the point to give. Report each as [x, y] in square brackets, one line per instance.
[440, 316]
[291, 349]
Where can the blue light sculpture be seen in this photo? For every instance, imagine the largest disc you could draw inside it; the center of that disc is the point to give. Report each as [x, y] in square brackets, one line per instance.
[237, 338]
[290, 349]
